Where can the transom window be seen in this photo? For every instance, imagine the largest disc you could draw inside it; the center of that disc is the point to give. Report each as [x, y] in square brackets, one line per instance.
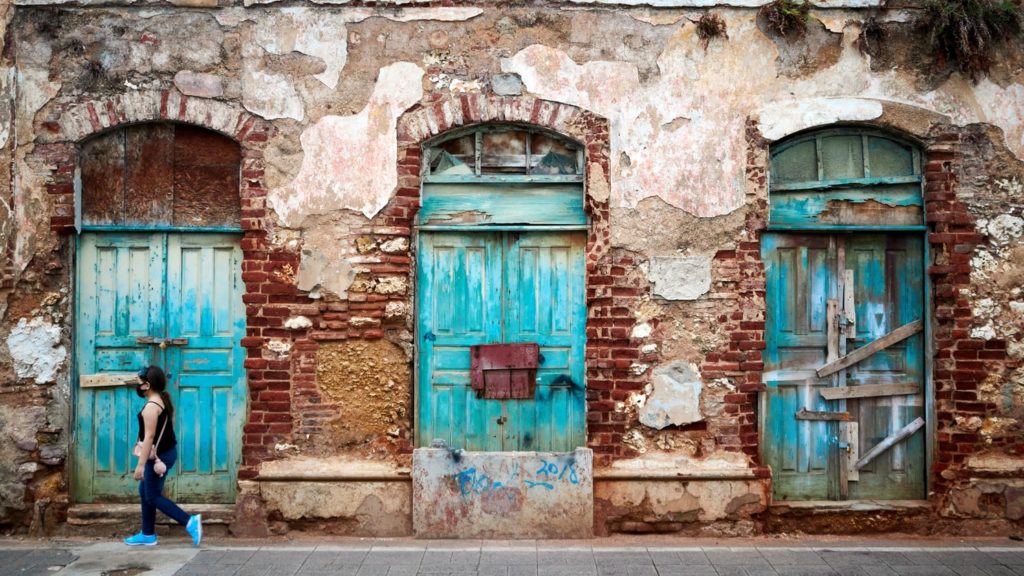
[504, 150]
[845, 178]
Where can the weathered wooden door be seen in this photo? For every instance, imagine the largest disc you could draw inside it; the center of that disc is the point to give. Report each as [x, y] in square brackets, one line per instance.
[813, 453]
[173, 300]
[482, 288]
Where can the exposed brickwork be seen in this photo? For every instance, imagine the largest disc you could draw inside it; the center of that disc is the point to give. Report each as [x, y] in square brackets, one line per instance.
[962, 363]
[739, 283]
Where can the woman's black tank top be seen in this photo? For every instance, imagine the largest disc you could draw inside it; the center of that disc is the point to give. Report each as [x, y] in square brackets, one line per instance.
[168, 440]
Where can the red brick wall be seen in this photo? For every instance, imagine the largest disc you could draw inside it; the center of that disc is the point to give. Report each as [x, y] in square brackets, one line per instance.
[961, 363]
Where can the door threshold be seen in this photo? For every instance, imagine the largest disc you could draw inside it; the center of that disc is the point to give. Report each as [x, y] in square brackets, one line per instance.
[827, 506]
[114, 513]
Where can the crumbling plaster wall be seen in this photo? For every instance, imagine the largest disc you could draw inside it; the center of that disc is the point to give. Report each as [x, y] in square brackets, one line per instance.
[334, 80]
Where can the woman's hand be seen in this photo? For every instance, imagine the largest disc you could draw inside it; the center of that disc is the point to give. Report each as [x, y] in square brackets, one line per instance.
[139, 470]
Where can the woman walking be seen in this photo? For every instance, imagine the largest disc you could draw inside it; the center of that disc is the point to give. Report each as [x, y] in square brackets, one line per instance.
[156, 429]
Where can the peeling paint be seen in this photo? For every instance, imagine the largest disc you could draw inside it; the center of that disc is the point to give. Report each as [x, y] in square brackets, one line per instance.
[36, 349]
[349, 161]
[680, 277]
[675, 399]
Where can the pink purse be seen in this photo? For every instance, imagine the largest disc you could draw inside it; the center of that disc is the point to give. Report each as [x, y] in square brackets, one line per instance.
[159, 467]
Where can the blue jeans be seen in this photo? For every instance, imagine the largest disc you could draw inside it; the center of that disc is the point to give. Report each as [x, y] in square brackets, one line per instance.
[151, 493]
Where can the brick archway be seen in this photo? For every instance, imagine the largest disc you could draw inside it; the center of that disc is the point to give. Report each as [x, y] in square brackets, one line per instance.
[611, 293]
[56, 156]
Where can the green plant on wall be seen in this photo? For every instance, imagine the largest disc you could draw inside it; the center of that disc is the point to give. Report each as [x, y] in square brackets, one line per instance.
[785, 17]
[965, 32]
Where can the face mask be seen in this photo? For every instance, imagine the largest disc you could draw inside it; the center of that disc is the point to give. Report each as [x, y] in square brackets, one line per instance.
[140, 392]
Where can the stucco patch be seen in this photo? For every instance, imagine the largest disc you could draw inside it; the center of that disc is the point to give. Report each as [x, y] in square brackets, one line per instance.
[271, 96]
[780, 119]
[676, 397]
[680, 277]
[350, 161]
[36, 349]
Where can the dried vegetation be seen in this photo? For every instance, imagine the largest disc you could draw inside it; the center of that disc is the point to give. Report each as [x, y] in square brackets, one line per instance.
[785, 17]
[966, 32]
[709, 26]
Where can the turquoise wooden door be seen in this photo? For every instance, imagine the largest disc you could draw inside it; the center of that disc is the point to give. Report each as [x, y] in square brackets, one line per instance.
[802, 274]
[483, 288]
[181, 287]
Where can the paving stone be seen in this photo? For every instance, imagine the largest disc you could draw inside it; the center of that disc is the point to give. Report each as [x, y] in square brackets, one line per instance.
[680, 570]
[919, 570]
[836, 558]
[792, 558]
[805, 570]
[508, 558]
[726, 557]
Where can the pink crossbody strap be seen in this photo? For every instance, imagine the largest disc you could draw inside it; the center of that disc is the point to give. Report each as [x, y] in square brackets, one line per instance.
[160, 437]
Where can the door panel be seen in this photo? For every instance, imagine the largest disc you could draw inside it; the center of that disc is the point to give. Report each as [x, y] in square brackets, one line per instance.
[163, 286]
[482, 288]
[205, 306]
[802, 273]
[119, 300]
[889, 281]
[797, 270]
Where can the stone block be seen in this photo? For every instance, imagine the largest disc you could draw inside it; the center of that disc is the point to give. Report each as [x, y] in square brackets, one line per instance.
[675, 398]
[460, 494]
[680, 277]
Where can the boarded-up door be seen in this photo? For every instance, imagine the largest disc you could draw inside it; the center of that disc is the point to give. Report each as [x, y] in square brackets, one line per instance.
[483, 288]
[172, 300]
[807, 455]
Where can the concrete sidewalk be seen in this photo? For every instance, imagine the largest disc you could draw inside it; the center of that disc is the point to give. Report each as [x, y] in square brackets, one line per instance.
[662, 557]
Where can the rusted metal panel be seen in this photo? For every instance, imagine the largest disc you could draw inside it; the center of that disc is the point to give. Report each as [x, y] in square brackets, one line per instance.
[102, 168]
[504, 371]
[150, 174]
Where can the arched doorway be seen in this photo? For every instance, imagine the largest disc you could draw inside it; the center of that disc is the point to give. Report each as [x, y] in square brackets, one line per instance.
[843, 416]
[501, 260]
[158, 281]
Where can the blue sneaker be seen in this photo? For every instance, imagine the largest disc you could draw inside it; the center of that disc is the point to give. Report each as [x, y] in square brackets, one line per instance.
[141, 539]
[194, 529]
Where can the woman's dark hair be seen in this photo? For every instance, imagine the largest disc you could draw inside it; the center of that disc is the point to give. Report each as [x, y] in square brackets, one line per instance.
[158, 383]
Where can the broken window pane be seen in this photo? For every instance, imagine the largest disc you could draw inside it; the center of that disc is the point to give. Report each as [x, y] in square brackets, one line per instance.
[504, 153]
[453, 157]
[551, 156]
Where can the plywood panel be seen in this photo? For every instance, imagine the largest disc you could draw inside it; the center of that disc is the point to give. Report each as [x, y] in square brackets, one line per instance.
[150, 174]
[102, 168]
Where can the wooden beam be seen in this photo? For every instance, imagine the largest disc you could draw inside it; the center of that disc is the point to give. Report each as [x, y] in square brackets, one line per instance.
[851, 433]
[897, 335]
[832, 329]
[805, 414]
[889, 442]
[868, 391]
[849, 305]
[106, 379]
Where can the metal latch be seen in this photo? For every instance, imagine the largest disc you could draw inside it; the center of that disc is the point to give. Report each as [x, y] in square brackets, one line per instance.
[161, 342]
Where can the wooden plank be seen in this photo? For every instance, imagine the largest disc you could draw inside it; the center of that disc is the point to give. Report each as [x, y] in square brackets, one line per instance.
[832, 331]
[106, 379]
[851, 433]
[889, 442]
[868, 391]
[849, 305]
[897, 335]
[805, 414]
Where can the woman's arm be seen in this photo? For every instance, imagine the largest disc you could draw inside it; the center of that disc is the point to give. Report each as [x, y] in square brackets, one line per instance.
[149, 418]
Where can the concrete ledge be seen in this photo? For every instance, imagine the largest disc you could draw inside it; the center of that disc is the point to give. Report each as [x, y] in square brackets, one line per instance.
[459, 494]
[832, 506]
